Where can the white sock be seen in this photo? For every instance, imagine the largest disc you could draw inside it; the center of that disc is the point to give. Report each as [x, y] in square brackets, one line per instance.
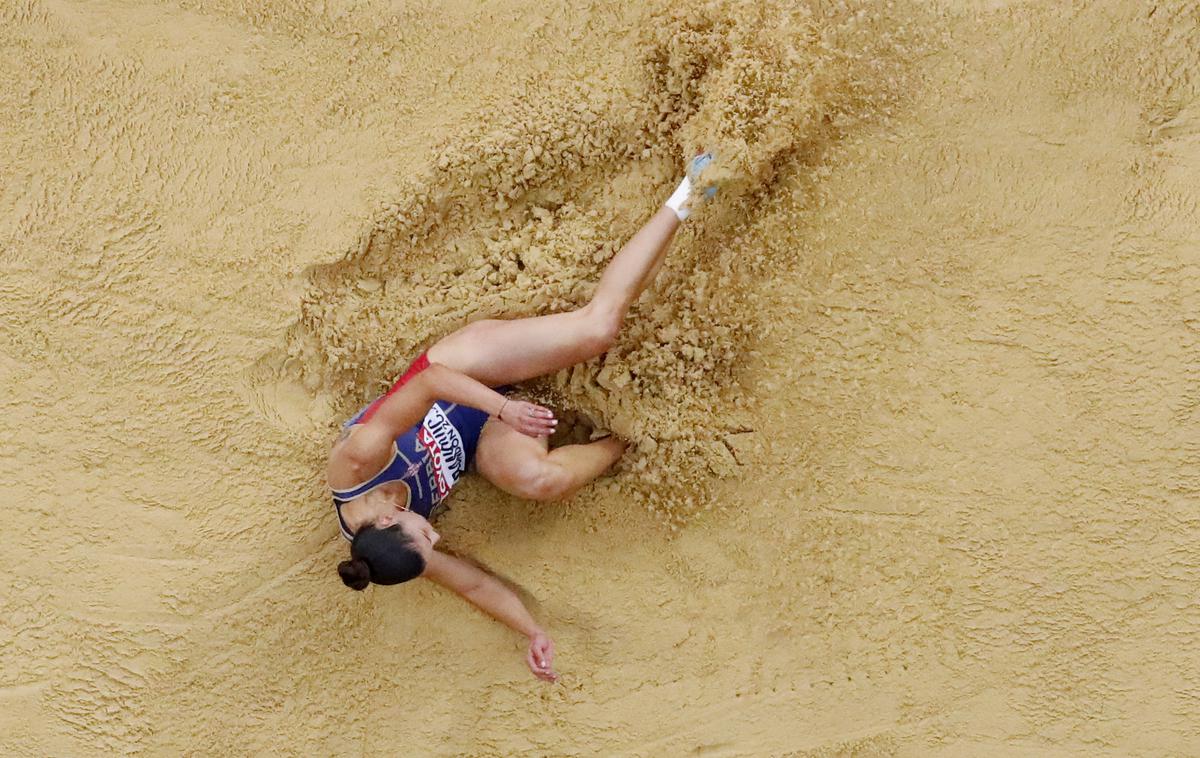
[679, 197]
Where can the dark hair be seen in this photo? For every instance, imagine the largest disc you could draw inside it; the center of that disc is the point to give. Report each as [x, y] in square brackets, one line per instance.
[383, 556]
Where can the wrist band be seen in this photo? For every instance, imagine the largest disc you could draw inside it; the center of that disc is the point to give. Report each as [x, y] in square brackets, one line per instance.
[501, 411]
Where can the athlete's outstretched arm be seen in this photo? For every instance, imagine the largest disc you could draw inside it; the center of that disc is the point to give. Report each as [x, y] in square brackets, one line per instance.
[492, 597]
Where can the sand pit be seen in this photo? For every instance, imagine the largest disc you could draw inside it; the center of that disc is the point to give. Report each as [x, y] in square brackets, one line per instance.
[912, 405]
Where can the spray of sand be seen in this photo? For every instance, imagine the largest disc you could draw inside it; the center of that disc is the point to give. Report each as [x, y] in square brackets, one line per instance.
[517, 214]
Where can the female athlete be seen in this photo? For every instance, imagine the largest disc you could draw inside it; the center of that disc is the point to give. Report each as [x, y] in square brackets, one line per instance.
[398, 457]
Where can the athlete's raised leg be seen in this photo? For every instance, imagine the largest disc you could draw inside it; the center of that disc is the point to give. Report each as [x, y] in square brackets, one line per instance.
[525, 467]
[497, 351]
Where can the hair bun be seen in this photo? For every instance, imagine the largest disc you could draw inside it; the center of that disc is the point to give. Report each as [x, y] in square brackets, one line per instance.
[356, 573]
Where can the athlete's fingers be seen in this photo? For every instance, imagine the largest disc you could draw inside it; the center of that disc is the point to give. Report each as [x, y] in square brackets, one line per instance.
[531, 426]
[538, 669]
[549, 656]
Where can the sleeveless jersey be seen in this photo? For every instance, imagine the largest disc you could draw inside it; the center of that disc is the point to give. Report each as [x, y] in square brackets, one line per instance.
[429, 458]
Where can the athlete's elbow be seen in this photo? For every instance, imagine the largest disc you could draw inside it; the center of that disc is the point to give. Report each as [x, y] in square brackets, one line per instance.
[433, 380]
[474, 590]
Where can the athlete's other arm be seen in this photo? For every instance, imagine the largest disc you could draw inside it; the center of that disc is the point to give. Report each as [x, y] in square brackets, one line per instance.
[491, 596]
[444, 383]
[407, 406]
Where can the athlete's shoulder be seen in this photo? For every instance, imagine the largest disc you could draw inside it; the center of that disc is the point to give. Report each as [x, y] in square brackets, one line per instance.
[365, 447]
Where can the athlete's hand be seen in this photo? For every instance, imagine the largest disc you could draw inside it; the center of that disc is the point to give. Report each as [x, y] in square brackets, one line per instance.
[541, 656]
[527, 418]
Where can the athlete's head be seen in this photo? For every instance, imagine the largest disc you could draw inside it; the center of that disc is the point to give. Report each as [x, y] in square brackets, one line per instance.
[393, 549]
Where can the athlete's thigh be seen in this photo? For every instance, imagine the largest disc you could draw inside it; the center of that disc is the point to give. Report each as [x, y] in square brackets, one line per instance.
[507, 458]
[496, 351]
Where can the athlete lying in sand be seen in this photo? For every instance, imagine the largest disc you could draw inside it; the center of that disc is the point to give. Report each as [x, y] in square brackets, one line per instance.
[398, 457]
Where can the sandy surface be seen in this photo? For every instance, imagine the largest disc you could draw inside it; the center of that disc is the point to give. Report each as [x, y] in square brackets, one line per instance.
[914, 404]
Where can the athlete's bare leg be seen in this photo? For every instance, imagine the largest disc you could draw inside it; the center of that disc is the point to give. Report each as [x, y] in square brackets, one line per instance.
[497, 351]
[525, 467]
[508, 351]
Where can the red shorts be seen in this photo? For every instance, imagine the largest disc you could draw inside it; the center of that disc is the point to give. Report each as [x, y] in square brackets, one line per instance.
[419, 365]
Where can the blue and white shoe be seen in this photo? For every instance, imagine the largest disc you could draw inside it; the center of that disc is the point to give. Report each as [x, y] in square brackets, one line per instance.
[695, 168]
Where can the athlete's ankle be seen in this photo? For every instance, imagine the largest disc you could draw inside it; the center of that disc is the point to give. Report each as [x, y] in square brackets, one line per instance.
[681, 200]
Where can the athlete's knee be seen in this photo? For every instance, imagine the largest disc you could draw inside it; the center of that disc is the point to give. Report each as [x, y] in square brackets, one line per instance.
[600, 327]
[546, 481]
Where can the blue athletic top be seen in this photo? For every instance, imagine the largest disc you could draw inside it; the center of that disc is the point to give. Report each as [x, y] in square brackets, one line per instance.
[429, 458]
